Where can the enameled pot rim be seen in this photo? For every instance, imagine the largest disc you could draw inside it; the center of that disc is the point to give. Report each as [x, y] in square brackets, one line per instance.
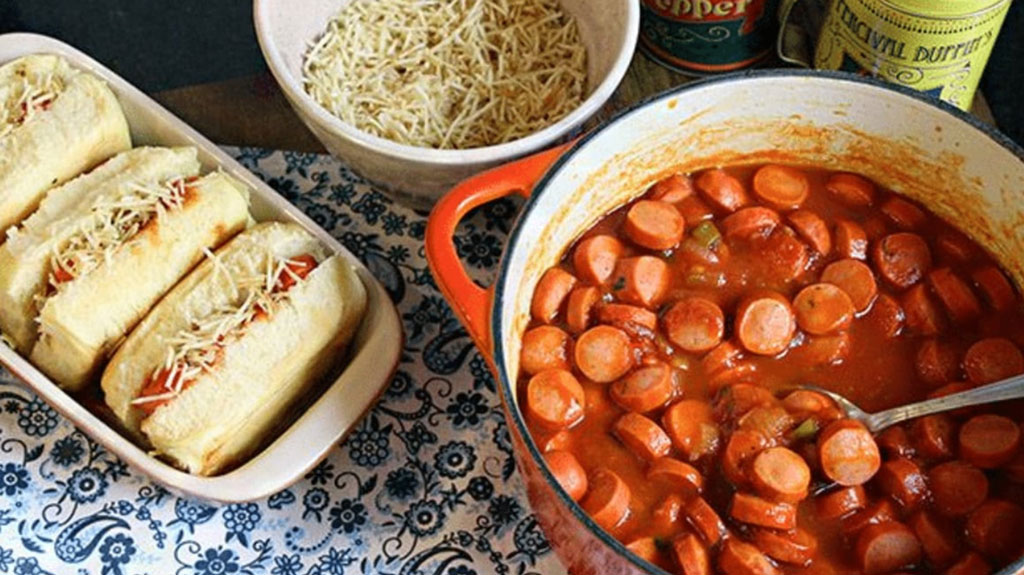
[499, 301]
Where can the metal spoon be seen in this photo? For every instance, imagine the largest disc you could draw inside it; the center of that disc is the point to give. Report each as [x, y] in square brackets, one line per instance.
[1010, 388]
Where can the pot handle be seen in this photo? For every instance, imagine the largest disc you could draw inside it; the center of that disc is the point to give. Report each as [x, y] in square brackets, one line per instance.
[472, 303]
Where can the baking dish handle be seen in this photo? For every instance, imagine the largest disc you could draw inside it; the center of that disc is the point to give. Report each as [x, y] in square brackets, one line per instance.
[472, 303]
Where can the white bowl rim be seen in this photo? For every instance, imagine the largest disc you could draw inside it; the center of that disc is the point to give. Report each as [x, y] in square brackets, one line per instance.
[486, 154]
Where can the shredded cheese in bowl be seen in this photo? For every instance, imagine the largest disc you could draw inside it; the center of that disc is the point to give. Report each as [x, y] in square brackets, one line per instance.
[449, 74]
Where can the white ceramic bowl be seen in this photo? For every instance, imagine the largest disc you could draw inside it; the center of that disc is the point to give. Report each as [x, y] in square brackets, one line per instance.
[373, 356]
[286, 28]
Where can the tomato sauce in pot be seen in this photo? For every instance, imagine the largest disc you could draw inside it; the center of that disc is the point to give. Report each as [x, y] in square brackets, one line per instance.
[660, 367]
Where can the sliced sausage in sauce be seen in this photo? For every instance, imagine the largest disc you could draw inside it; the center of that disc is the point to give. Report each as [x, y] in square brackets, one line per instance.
[852, 190]
[855, 278]
[654, 225]
[604, 353]
[569, 473]
[645, 388]
[781, 187]
[694, 324]
[545, 347]
[594, 258]
[823, 308]
[848, 453]
[902, 259]
[765, 324]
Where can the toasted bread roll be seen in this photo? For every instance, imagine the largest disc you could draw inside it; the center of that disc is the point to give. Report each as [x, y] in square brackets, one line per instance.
[55, 122]
[103, 248]
[219, 362]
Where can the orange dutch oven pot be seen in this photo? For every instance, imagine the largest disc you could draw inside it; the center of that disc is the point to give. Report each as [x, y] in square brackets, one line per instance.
[961, 169]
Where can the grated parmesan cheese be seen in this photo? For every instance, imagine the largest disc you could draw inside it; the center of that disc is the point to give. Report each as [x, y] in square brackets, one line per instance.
[195, 349]
[448, 73]
[22, 100]
[112, 223]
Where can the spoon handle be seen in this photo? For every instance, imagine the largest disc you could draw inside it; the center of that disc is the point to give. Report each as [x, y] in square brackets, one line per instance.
[1010, 388]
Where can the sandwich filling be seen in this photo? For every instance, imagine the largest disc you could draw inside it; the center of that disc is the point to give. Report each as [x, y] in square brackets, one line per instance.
[197, 348]
[26, 96]
[113, 222]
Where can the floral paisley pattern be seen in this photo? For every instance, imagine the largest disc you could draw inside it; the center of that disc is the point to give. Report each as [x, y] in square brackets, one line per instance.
[424, 485]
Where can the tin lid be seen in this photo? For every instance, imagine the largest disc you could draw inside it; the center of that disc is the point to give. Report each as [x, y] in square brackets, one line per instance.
[947, 8]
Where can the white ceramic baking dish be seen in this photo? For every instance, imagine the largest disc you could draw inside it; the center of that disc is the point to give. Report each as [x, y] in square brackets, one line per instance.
[372, 360]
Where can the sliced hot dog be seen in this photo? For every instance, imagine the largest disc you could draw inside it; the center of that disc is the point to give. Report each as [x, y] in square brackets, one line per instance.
[736, 400]
[785, 257]
[607, 499]
[569, 473]
[646, 388]
[753, 510]
[855, 278]
[743, 445]
[796, 548]
[805, 403]
[694, 211]
[812, 229]
[955, 247]
[841, 502]
[970, 564]
[642, 437]
[886, 547]
[724, 356]
[989, 441]
[594, 258]
[922, 315]
[558, 441]
[682, 476]
[902, 259]
[881, 511]
[626, 316]
[645, 548]
[554, 399]
[937, 362]
[994, 287]
[823, 308]
[690, 425]
[552, 289]
[740, 558]
[903, 480]
[779, 474]
[954, 293]
[691, 555]
[993, 359]
[772, 421]
[723, 190]
[545, 347]
[895, 442]
[937, 538]
[994, 529]
[672, 189]
[654, 225]
[781, 187]
[957, 487]
[694, 324]
[580, 310]
[666, 514]
[765, 323]
[848, 453]
[748, 223]
[705, 521]
[903, 214]
[851, 190]
[640, 280]
[888, 315]
[851, 240]
[604, 353]
[933, 436]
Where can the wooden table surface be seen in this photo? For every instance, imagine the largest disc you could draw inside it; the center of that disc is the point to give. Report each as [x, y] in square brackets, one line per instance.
[252, 111]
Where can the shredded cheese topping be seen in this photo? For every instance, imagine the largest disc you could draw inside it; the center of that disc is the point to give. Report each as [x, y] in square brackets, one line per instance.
[26, 96]
[448, 73]
[113, 222]
[195, 349]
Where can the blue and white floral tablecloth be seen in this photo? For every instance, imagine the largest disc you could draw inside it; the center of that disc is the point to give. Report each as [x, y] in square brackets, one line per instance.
[424, 485]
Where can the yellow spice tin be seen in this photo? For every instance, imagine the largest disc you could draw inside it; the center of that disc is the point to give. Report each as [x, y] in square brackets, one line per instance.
[937, 47]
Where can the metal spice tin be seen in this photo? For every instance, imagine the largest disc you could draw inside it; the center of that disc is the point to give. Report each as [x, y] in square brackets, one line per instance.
[939, 48]
[707, 36]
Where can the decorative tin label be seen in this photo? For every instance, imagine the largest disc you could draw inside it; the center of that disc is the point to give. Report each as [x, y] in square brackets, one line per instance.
[706, 36]
[941, 54]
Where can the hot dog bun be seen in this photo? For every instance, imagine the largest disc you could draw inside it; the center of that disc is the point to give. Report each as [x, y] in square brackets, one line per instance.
[55, 122]
[223, 414]
[68, 327]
